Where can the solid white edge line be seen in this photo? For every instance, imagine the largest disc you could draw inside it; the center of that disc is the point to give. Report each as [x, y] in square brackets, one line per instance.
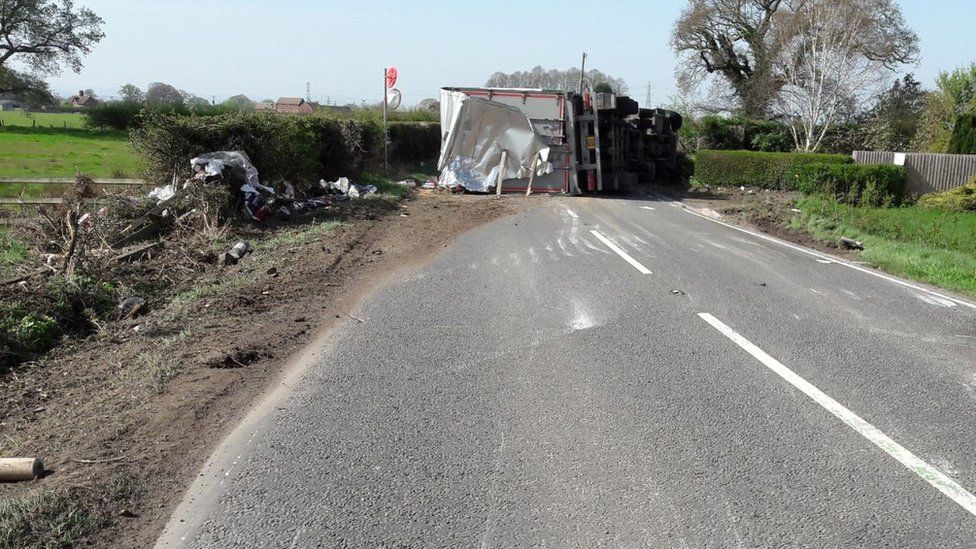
[616, 249]
[930, 474]
[835, 260]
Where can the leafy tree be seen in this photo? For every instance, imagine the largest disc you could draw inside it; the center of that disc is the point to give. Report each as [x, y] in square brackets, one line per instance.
[164, 94]
[131, 94]
[964, 135]
[43, 36]
[239, 102]
[892, 122]
[955, 94]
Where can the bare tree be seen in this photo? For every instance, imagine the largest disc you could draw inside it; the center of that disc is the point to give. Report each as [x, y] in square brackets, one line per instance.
[835, 54]
[43, 36]
[735, 40]
[554, 79]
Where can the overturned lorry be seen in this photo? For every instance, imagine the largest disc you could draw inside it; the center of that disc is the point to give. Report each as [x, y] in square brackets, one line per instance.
[519, 140]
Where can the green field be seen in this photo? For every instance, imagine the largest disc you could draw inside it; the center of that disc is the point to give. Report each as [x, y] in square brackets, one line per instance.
[30, 152]
[43, 120]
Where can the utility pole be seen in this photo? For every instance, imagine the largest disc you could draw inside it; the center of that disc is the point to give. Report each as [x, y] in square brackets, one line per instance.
[308, 92]
[582, 73]
[647, 100]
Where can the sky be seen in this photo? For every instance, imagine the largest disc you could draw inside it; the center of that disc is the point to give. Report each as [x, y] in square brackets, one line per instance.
[219, 48]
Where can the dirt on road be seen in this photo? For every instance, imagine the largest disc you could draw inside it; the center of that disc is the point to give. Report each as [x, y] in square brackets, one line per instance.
[124, 418]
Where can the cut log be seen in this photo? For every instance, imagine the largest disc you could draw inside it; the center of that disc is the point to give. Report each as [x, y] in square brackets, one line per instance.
[139, 253]
[20, 469]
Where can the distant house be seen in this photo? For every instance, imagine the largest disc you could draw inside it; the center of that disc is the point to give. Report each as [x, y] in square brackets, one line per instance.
[264, 107]
[293, 105]
[11, 105]
[83, 100]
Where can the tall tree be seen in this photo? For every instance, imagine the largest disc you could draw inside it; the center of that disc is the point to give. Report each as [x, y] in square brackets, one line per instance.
[734, 40]
[130, 93]
[42, 37]
[160, 93]
[892, 122]
[750, 45]
[240, 102]
[835, 54]
[955, 94]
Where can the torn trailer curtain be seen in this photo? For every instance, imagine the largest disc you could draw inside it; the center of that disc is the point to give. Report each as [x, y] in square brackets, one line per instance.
[477, 130]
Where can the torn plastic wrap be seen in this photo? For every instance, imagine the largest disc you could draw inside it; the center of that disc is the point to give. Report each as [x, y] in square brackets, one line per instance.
[241, 167]
[479, 130]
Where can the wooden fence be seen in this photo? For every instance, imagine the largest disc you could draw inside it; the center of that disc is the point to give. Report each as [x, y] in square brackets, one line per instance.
[927, 172]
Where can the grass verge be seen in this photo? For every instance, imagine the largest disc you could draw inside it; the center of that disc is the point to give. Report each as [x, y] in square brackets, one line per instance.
[59, 518]
[932, 246]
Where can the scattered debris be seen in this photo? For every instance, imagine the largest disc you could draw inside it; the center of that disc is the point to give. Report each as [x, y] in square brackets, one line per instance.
[235, 254]
[677, 292]
[139, 253]
[409, 182]
[361, 321]
[99, 461]
[761, 284]
[345, 189]
[132, 307]
[851, 244]
[20, 469]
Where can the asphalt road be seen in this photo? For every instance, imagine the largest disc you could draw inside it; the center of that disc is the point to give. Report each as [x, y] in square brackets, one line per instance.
[705, 387]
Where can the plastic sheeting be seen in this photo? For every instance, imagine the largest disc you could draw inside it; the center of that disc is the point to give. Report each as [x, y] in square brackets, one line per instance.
[477, 132]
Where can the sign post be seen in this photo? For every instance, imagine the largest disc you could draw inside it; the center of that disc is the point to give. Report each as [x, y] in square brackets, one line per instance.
[389, 80]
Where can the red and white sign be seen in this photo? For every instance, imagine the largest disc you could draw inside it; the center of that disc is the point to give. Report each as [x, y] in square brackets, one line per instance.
[391, 77]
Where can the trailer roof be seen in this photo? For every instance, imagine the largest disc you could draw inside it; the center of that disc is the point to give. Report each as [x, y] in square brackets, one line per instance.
[510, 90]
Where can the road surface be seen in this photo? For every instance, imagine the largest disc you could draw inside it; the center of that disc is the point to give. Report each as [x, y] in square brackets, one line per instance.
[614, 372]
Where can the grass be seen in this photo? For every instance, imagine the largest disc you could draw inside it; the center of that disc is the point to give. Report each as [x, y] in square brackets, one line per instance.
[43, 119]
[12, 251]
[28, 152]
[298, 237]
[933, 246]
[50, 519]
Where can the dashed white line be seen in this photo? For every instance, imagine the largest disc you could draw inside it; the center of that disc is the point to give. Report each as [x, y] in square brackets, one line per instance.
[572, 213]
[647, 208]
[928, 473]
[617, 250]
[837, 261]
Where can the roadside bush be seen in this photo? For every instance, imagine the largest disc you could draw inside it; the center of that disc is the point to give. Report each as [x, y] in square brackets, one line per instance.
[124, 116]
[281, 147]
[962, 199]
[32, 326]
[415, 143]
[757, 169]
[855, 184]
[737, 133]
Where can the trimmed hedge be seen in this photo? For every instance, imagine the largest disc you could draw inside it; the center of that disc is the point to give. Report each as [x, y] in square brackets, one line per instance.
[855, 184]
[298, 148]
[756, 169]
